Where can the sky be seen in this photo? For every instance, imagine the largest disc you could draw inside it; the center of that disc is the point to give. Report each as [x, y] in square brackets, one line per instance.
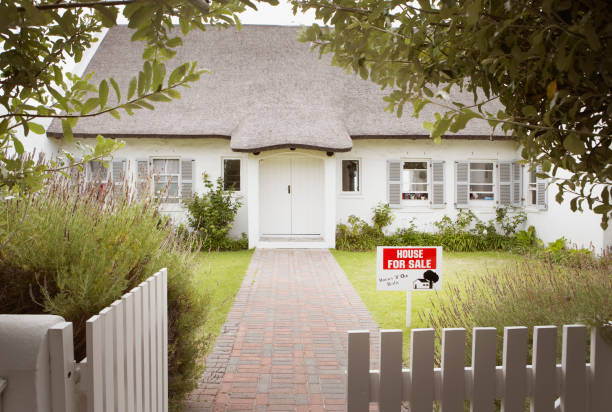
[276, 15]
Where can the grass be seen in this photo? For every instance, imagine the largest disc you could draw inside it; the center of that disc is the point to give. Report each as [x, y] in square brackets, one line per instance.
[221, 274]
[389, 308]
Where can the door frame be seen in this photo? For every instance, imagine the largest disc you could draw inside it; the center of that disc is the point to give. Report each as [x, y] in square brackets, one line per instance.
[329, 199]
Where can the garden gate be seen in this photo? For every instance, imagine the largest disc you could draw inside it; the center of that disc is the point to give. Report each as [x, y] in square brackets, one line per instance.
[126, 368]
[572, 386]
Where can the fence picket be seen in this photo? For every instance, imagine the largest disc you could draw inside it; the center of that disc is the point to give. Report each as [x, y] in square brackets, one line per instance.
[145, 342]
[358, 371]
[484, 349]
[165, 339]
[573, 384]
[152, 342]
[421, 366]
[61, 349]
[128, 322]
[544, 369]
[453, 370]
[601, 373]
[94, 329]
[138, 348]
[158, 337]
[390, 385]
[118, 348]
[107, 316]
[514, 369]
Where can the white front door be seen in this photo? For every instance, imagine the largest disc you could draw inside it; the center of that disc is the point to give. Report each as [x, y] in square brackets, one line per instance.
[291, 196]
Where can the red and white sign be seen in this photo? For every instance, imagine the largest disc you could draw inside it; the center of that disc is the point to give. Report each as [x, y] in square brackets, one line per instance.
[409, 268]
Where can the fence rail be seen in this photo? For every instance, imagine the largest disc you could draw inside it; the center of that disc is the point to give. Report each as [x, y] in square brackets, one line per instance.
[572, 386]
[126, 368]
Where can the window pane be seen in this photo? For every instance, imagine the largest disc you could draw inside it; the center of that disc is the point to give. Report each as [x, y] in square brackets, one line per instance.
[414, 196]
[97, 171]
[231, 174]
[159, 165]
[533, 197]
[419, 176]
[481, 196]
[415, 165]
[481, 166]
[477, 176]
[172, 166]
[419, 188]
[532, 176]
[350, 175]
[481, 188]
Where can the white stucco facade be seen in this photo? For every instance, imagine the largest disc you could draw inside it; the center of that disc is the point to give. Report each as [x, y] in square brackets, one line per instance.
[372, 155]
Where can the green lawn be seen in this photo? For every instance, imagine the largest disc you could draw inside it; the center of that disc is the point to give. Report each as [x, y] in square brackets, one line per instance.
[220, 274]
[389, 308]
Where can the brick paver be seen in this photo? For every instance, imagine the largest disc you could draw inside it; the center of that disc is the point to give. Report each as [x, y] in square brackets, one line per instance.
[283, 345]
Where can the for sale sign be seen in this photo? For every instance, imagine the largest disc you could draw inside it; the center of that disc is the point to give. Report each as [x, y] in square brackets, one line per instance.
[409, 268]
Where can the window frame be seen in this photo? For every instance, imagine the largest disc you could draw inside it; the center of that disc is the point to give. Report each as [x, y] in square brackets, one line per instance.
[165, 199]
[494, 183]
[359, 177]
[416, 202]
[532, 189]
[240, 177]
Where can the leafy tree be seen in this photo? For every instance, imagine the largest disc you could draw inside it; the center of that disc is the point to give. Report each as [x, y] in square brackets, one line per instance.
[39, 37]
[547, 62]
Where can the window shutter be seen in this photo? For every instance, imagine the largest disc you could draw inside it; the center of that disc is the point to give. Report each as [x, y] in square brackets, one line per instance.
[118, 171]
[517, 184]
[541, 198]
[394, 183]
[437, 195]
[142, 176]
[462, 184]
[187, 171]
[504, 183]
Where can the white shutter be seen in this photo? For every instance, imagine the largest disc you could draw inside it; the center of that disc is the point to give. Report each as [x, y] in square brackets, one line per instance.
[118, 171]
[517, 184]
[462, 184]
[394, 183]
[187, 172]
[504, 183]
[142, 177]
[437, 195]
[541, 198]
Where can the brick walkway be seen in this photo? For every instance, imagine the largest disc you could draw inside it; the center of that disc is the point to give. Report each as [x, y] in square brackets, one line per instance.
[283, 346]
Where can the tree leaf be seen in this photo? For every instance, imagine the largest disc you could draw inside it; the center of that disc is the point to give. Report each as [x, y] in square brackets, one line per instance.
[574, 144]
[18, 145]
[36, 128]
[103, 93]
[90, 104]
[551, 89]
[132, 88]
[116, 88]
[67, 130]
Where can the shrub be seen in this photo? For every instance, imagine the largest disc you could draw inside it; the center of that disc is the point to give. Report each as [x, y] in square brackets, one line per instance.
[381, 216]
[71, 252]
[212, 214]
[528, 294]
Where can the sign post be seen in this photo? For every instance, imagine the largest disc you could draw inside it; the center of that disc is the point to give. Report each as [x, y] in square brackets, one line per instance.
[408, 268]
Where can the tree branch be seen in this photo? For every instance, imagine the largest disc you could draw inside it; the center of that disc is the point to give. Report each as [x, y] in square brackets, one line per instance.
[69, 116]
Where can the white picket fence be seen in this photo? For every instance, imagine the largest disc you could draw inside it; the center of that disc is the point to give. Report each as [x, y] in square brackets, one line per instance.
[572, 386]
[126, 368]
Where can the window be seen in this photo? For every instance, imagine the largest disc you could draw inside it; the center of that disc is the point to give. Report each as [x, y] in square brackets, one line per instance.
[166, 173]
[533, 189]
[350, 176]
[97, 172]
[231, 174]
[415, 181]
[481, 181]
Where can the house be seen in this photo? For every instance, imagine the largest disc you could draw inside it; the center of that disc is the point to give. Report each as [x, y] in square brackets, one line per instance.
[306, 145]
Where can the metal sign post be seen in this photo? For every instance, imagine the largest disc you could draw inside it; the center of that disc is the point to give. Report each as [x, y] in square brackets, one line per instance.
[409, 268]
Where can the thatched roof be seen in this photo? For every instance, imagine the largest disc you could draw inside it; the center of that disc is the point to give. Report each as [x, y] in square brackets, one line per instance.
[266, 90]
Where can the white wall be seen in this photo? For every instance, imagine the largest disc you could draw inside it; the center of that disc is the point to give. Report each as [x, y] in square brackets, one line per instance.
[581, 229]
[208, 155]
[374, 154]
